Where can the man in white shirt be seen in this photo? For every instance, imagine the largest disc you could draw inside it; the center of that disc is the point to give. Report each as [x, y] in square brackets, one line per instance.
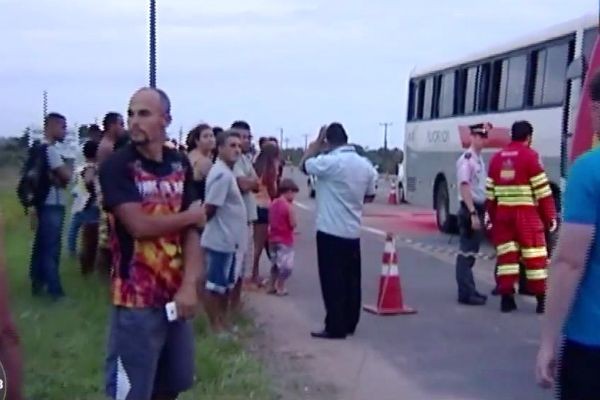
[345, 181]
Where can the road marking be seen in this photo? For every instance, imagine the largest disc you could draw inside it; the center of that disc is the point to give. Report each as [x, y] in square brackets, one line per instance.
[302, 206]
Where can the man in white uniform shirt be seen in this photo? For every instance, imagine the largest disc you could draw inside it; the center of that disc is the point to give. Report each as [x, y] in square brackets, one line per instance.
[345, 181]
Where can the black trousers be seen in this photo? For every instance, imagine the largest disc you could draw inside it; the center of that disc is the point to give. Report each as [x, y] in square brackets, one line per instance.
[340, 275]
[578, 375]
[470, 242]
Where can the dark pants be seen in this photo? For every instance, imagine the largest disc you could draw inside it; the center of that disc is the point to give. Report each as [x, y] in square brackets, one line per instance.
[340, 275]
[578, 376]
[88, 216]
[470, 241]
[45, 255]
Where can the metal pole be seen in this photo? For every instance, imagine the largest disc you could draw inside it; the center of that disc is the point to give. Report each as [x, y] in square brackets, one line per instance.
[153, 43]
[281, 136]
[45, 104]
[385, 133]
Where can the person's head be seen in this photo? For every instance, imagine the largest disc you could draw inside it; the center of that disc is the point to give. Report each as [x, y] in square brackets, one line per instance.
[217, 130]
[90, 149]
[336, 135]
[261, 142]
[229, 146]
[243, 128]
[522, 132]
[594, 87]
[113, 124]
[55, 127]
[202, 137]
[479, 135]
[266, 159]
[288, 189]
[148, 116]
[94, 132]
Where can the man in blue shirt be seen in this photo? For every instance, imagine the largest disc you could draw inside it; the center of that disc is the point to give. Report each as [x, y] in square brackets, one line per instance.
[573, 298]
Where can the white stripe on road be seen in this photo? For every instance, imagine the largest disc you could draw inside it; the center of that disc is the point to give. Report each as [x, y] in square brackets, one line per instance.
[302, 206]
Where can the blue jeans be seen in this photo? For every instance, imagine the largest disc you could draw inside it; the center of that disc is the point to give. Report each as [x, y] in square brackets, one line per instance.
[87, 216]
[45, 255]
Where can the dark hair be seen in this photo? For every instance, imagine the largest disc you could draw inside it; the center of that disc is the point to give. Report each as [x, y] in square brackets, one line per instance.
[110, 119]
[265, 162]
[594, 87]
[273, 139]
[262, 141]
[223, 136]
[240, 125]
[94, 128]
[521, 131]
[54, 116]
[288, 185]
[90, 149]
[217, 130]
[194, 135]
[336, 134]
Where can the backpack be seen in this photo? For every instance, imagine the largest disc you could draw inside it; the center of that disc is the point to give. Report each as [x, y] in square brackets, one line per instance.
[34, 183]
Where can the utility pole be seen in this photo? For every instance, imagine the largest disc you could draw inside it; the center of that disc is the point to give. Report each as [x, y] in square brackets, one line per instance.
[152, 62]
[180, 135]
[305, 141]
[45, 104]
[385, 133]
[287, 143]
[281, 136]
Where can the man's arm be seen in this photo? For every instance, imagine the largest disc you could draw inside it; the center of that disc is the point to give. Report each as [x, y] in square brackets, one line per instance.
[566, 271]
[105, 149]
[217, 186]
[247, 180]
[121, 197]
[59, 168]
[371, 189]
[313, 149]
[192, 257]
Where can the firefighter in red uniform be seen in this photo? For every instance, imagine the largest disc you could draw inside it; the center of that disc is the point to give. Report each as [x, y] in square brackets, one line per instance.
[521, 208]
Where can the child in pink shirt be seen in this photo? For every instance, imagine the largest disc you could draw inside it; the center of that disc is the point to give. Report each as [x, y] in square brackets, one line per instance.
[282, 222]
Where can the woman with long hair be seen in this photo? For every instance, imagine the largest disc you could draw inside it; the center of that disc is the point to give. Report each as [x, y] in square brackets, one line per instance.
[201, 146]
[266, 165]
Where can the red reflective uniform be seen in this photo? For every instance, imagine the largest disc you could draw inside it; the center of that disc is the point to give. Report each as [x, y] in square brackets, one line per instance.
[521, 207]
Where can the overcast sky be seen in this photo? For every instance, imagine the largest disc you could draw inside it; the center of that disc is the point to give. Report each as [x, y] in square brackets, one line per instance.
[276, 63]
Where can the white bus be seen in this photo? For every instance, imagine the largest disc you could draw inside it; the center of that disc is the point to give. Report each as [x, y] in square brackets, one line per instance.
[525, 79]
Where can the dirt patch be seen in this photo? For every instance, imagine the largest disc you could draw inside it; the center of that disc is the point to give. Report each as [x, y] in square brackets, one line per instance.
[289, 367]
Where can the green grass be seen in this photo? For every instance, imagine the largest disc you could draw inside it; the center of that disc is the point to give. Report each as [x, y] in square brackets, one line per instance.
[64, 343]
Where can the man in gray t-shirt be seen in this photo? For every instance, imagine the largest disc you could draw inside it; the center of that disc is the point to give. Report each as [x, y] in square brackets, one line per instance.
[223, 233]
[49, 216]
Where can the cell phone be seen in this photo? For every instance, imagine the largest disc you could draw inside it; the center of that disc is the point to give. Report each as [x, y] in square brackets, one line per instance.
[171, 310]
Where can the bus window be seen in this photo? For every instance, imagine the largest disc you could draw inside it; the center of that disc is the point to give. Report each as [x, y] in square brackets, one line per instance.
[499, 81]
[412, 91]
[447, 95]
[428, 100]
[460, 78]
[483, 87]
[470, 90]
[420, 99]
[589, 38]
[550, 72]
[517, 71]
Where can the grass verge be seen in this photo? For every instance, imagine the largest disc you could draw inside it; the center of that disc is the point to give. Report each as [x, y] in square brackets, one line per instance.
[64, 343]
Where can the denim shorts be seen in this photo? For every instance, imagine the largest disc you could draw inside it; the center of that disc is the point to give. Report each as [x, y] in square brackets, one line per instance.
[148, 356]
[220, 271]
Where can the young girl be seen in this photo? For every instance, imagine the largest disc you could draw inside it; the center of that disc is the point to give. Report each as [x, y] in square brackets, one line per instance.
[282, 222]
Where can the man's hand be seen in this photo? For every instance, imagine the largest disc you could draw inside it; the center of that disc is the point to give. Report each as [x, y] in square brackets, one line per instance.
[546, 367]
[487, 222]
[475, 222]
[186, 300]
[197, 213]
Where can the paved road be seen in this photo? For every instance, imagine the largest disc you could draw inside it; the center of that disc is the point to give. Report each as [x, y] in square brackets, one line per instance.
[446, 351]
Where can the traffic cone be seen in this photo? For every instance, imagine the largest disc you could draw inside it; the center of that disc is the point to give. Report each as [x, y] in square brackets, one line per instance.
[392, 198]
[389, 300]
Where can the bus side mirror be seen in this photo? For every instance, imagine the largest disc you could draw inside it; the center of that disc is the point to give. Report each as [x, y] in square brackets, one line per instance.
[575, 70]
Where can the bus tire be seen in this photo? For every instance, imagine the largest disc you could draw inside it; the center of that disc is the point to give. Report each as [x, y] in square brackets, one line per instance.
[446, 222]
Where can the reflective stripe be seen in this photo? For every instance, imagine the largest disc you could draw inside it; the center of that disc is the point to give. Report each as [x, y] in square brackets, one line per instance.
[489, 181]
[536, 274]
[542, 192]
[534, 252]
[519, 190]
[489, 194]
[506, 248]
[539, 179]
[508, 269]
[515, 201]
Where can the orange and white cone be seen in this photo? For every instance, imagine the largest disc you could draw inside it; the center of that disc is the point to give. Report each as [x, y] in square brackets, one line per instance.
[392, 198]
[389, 300]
